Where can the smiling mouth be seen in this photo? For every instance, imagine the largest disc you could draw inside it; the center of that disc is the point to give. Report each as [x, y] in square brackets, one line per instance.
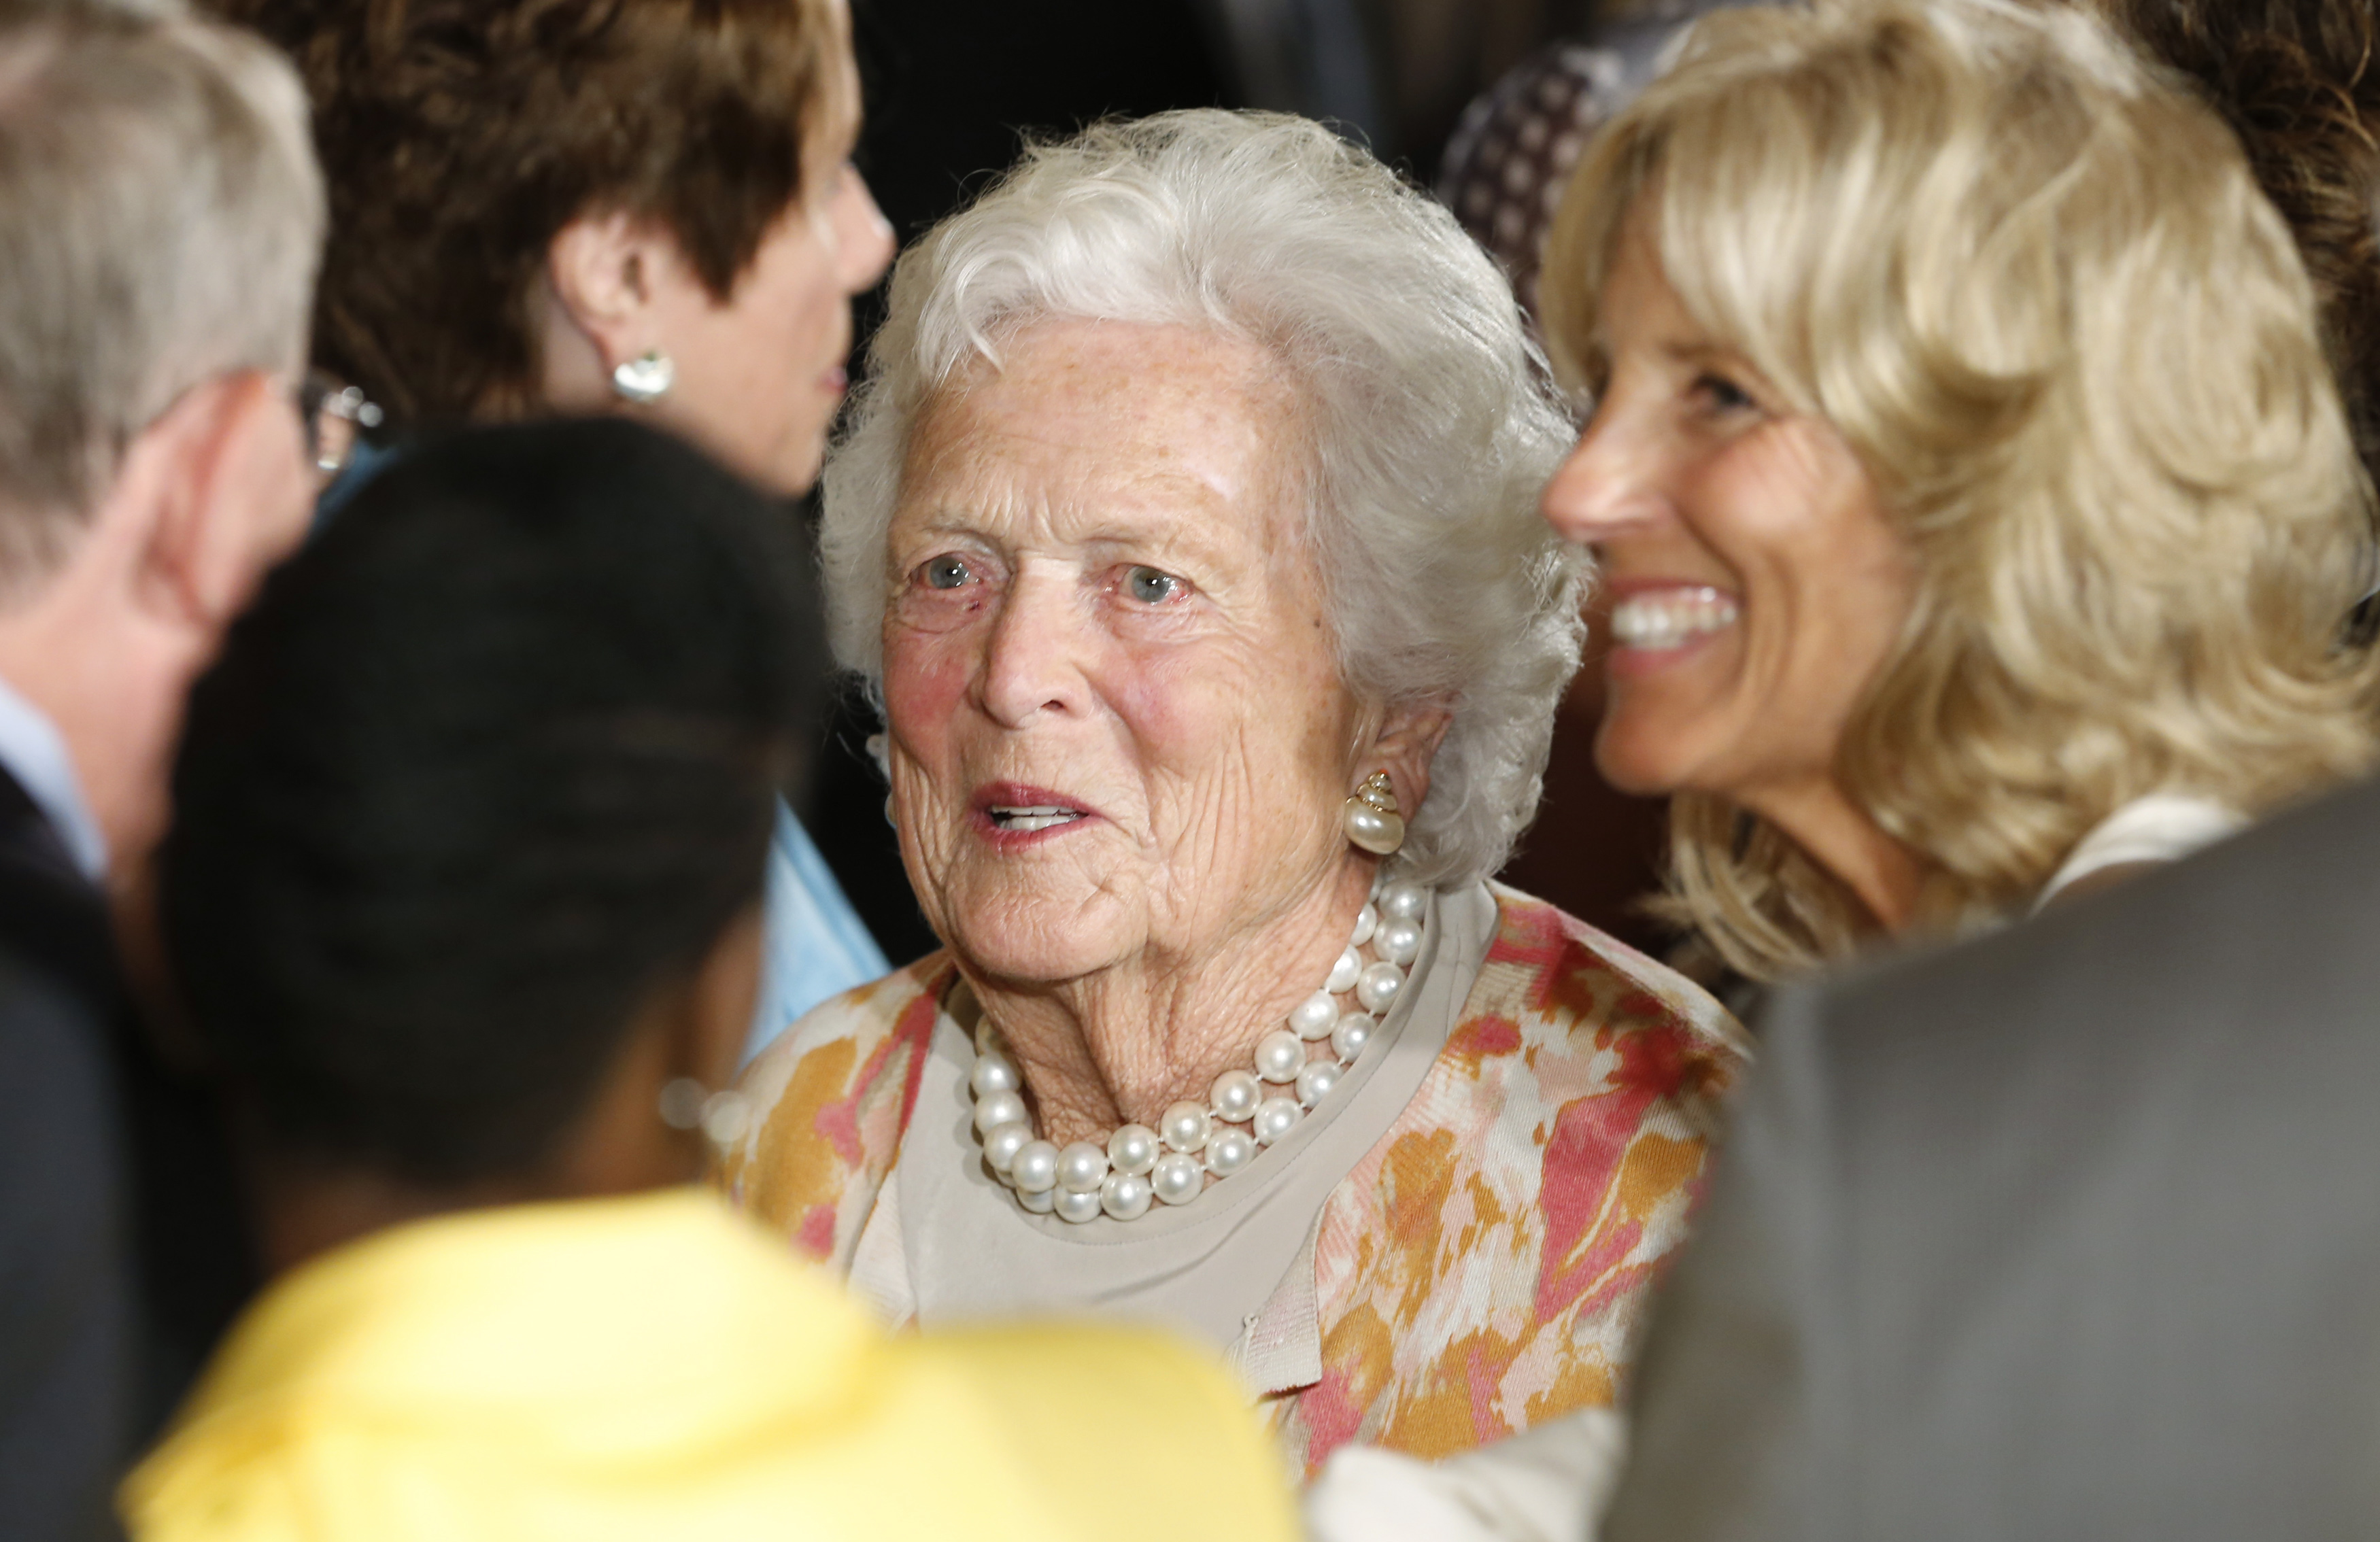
[1025, 821]
[1658, 619]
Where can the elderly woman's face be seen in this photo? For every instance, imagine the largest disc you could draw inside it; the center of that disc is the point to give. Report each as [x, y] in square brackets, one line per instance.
[1117, 728]
[1756, 582]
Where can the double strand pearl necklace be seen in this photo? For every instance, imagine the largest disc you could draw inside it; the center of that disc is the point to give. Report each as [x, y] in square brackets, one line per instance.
[1173, 1162]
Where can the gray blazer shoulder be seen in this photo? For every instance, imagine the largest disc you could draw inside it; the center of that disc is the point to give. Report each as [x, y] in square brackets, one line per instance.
[2072, 1231]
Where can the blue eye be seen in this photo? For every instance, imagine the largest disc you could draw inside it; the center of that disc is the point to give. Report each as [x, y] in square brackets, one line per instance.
[946, 571]
[1150, 587]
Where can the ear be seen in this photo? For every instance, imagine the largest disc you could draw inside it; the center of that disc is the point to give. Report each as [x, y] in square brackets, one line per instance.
[605, 270]
[1403, 746]
[713, 1015]
[695, 1031]
[233, 491]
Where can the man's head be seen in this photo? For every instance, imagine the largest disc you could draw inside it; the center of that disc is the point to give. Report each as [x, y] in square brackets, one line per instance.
[161, 220]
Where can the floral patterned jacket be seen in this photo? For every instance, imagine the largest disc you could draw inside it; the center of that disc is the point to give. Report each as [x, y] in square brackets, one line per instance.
[1481, 1269]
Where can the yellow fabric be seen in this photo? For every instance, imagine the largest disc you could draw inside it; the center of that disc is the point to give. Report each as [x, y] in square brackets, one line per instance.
[653, 1367]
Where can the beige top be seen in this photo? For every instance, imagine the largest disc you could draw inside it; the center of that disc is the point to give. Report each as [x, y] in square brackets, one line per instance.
[1235, 1268]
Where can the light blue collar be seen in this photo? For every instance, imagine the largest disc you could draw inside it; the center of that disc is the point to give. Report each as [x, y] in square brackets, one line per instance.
[33, 752]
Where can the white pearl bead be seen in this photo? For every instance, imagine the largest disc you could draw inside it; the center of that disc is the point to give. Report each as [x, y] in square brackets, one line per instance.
[1314, 1082]
[1279, 1054]
[1379, 987]
[997, 1108]
[1230, 1151]
[725, 1116]
[1082, 1166]
[1374, 831]
[1127, 1196]
[1341, 980]
[1178, 1178]
[1001, 1147]
[1186, 1126]
[1355, 1031]
[993, 1072]
[1312, 1017]
[1133, 1150]
[1366, 921]
[1078, 1205]
[1276, 1117]
[1399, 941]
[1034, 1167]
[1403, 901]
[1235, 1096]
[1041, 1201]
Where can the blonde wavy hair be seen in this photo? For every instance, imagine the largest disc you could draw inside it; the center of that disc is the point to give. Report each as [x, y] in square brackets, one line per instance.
[2036, 289]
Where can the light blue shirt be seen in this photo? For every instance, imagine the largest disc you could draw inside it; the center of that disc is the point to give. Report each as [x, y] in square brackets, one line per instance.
[813, 944]
[35, 754]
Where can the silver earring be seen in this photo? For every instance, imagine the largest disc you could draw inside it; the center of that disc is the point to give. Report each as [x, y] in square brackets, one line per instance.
[1371, 816]
[645, 379]
[723, 1117]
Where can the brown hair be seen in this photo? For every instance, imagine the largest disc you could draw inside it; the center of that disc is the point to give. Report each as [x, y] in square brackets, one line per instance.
[459, 137]
[2298, 81]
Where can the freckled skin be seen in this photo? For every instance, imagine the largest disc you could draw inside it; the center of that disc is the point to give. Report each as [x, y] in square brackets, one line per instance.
[1133, 624]
[1695, 471]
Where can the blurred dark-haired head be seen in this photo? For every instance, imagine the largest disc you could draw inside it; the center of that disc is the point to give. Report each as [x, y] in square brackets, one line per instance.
[489, 765]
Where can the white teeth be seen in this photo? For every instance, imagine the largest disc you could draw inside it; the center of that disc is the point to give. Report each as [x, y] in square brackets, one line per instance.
[1040, 817]
[1670, 618]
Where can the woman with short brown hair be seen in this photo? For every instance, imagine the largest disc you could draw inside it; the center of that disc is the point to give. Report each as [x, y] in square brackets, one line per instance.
[588, 206]
[542, 205]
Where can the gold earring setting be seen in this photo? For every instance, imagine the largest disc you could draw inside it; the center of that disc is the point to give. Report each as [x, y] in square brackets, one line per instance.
[1372, 819]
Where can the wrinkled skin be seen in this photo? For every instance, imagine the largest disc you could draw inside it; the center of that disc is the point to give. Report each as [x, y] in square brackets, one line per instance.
[1102, 599]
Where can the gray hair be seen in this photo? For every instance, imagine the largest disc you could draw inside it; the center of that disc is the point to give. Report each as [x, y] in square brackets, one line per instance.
[1431, 424]
[161, 221]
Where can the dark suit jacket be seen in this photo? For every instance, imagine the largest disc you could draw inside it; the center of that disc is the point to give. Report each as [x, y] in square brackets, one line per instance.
[123, 1250]
[2074, 1233]
[71, 1337]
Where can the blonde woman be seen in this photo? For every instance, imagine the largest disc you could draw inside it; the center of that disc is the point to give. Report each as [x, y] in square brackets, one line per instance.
[1976, 504]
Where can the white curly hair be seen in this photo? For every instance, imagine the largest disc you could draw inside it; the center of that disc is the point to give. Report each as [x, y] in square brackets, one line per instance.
[1433, 425]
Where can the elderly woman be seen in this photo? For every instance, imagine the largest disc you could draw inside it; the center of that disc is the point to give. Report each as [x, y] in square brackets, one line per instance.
[1186, 531]
[1963, 552]
[643, 207]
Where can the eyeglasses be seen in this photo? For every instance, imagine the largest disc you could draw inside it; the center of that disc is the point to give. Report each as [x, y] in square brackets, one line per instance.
[332, 413]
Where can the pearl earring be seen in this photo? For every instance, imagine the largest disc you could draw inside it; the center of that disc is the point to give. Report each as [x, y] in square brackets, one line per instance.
[723, 1117]
[645, 379]
[1371, 816]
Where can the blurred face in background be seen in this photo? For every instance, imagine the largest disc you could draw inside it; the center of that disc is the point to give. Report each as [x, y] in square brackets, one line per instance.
[760, 376]
[1756, 583]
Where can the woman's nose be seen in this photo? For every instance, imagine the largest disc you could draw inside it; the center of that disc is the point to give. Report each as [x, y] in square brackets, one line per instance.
[1033, 664]
[864, 237]
[1609, 484]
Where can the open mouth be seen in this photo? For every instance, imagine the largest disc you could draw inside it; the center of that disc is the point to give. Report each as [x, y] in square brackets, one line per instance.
[1025, 821]
[1667, 618]
[1018, 810]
